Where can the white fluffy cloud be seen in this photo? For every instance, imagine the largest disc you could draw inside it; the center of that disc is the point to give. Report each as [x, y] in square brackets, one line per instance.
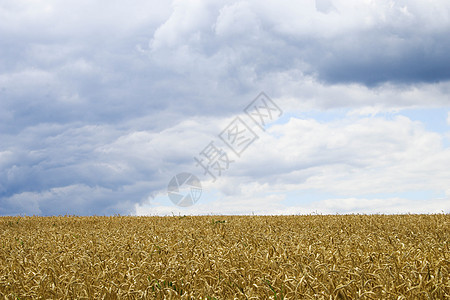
[360, 160]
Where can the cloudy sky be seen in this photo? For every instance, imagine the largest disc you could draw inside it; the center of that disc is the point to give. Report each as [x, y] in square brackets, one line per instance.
[103, 102]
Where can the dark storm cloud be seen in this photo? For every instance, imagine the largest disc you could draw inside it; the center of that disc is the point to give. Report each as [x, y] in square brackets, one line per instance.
[381, 56]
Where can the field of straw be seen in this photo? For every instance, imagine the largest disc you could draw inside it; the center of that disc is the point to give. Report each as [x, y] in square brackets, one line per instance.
[226, 257]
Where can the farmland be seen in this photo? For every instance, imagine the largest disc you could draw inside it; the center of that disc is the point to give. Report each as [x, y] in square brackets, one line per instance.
[226, 257]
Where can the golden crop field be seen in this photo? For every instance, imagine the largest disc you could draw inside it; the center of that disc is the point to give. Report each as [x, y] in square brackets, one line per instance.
[226, 257]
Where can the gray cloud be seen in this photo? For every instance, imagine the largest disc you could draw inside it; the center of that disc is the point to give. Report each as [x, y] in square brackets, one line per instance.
[360, 43]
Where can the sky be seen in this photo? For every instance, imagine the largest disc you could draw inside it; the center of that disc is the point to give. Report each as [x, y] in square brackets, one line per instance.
[103, 103]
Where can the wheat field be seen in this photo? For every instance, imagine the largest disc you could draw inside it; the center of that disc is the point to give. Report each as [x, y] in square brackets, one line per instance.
[226, 257]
